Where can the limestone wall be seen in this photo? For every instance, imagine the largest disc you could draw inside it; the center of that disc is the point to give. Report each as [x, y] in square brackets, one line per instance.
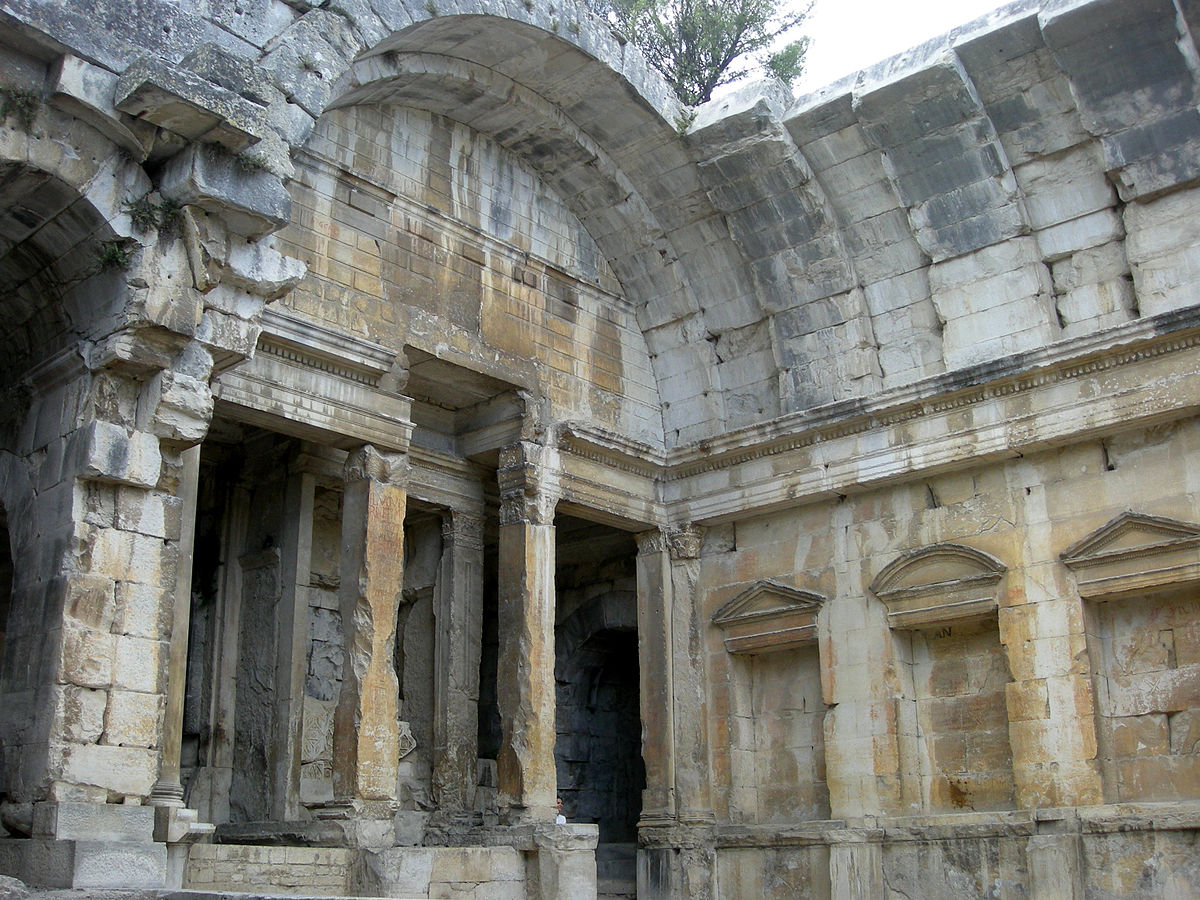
[418, 231]
[1046, 699]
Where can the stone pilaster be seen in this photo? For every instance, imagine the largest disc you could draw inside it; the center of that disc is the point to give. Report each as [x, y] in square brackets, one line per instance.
[693, 797]
[459, 623]
[678, 858]
[655, 671]
[525, 682]
[366, 734]
[1050, 699]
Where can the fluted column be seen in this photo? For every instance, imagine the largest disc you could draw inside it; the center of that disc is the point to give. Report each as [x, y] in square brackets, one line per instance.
[525, 680]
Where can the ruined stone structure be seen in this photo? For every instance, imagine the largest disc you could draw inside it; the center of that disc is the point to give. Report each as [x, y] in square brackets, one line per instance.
[411, 414]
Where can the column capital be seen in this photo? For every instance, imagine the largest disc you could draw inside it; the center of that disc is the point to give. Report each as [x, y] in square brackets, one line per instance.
[463, 529]
[650, 542]
[684, 542]
[368, 464]
[528, 481]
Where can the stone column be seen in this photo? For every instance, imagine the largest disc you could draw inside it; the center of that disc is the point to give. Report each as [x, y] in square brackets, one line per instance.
[366, 735]
[525, 680]
[458, 613]
[168, 790]
[655, 670]
[295, 572]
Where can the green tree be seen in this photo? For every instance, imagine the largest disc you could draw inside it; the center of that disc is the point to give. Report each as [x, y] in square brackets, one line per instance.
[699, 45]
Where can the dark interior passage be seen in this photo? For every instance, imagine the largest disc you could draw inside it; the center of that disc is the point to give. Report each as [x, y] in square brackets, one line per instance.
[598, 718]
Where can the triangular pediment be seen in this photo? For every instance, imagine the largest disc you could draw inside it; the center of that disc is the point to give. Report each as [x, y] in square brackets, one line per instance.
[768, 617]
[764, 599]
[1135, 553]
[1130, 531]
[937, 565]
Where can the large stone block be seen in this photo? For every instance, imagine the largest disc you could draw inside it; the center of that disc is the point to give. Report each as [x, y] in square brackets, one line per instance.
[106, 822]
[250, 202]
[111, 453]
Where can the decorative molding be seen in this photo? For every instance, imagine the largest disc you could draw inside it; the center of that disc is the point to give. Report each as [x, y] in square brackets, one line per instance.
[938, 584]
[1129, 343]
[684, 542]
[769, 617]
[314, 346]
[1135, 552]
[463, 530]
[610, 449]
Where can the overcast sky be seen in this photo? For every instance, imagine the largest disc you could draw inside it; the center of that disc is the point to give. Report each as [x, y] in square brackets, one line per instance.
[848, 35]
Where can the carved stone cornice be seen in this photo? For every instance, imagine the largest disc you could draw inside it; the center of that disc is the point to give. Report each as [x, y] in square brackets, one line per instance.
[939, 584]
[314, 346]
[1133, 553]
[769, 616]
[1131, 342]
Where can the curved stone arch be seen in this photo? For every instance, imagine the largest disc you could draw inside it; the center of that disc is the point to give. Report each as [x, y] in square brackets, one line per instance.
[67, 190]
[603, 91]
[613, 611]
[940, 583]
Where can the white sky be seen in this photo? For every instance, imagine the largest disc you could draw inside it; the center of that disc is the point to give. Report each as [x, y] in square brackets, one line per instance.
[848, 35]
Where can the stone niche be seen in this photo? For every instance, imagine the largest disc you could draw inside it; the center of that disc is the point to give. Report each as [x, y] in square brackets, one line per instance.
[778, 708]
[951, 719]
[1139, 578]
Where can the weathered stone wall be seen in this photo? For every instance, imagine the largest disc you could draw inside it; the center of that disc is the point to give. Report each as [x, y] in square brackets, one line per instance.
[417, 231]
[916, 354]
[1052, 701]
[315, 871]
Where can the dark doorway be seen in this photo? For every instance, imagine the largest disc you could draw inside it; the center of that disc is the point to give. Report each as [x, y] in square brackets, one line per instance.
[598, 752]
